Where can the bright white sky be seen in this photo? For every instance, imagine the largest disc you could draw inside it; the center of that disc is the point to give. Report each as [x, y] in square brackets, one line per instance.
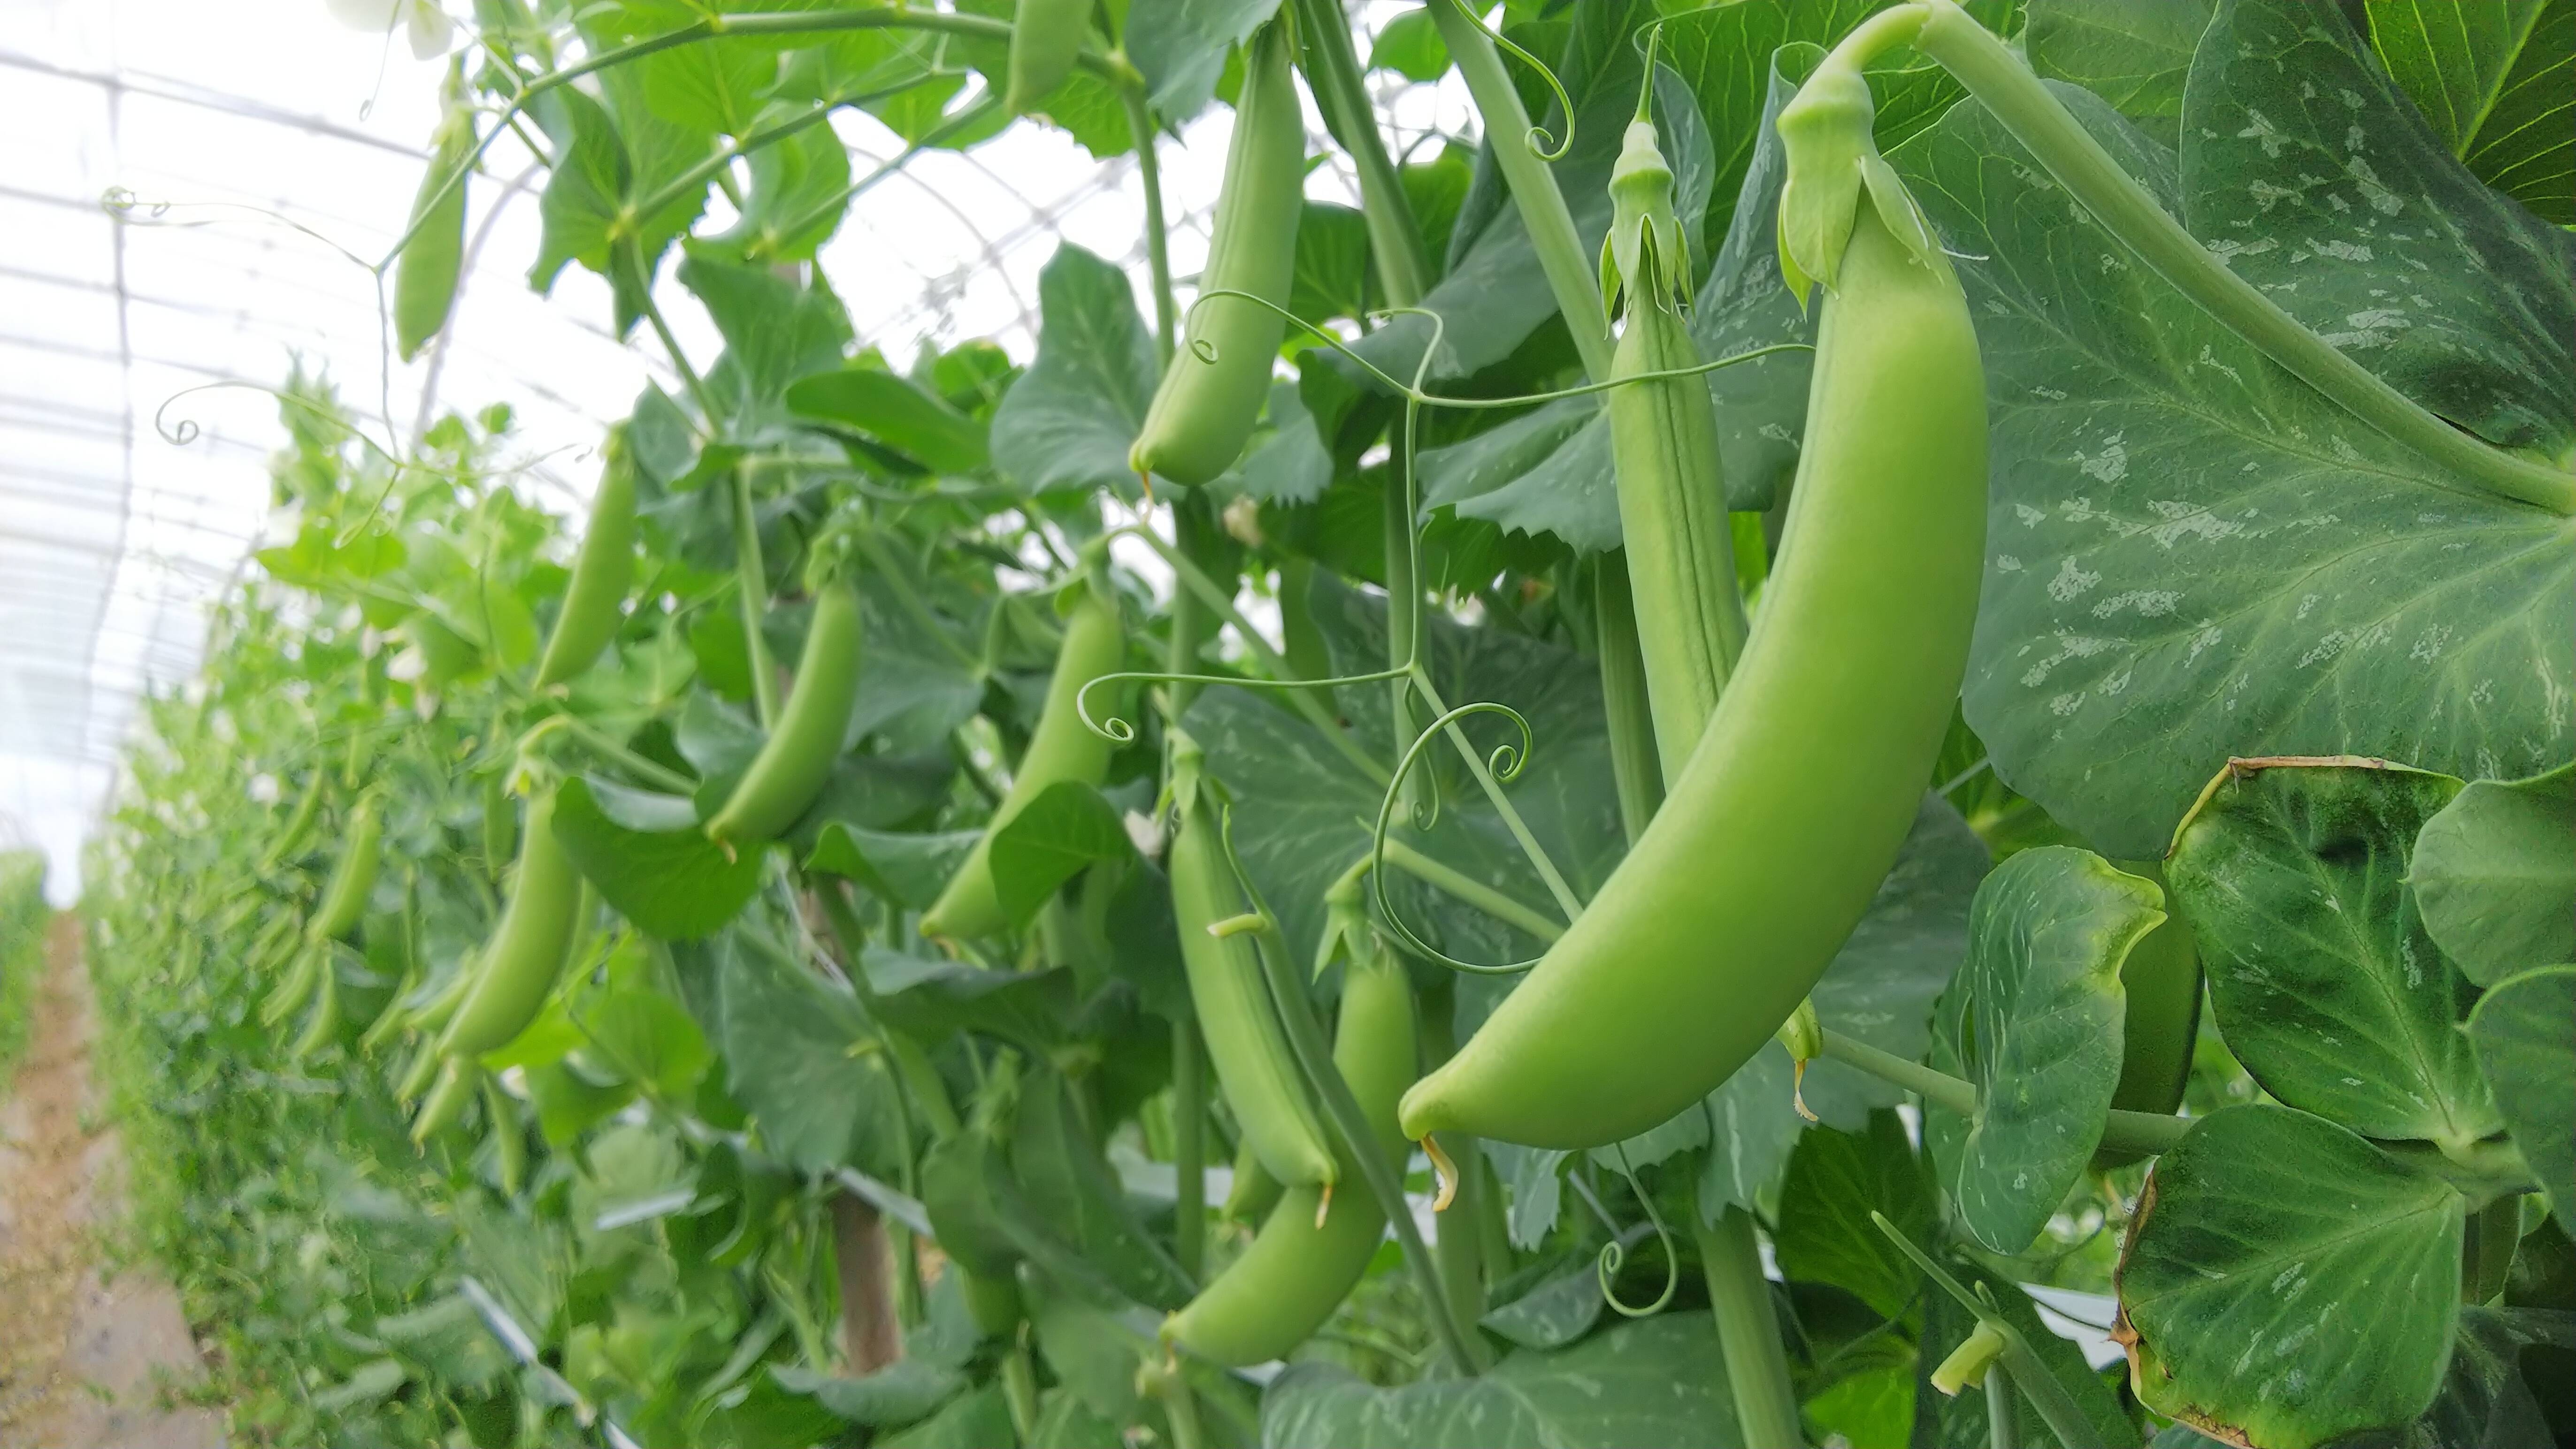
[115, 537]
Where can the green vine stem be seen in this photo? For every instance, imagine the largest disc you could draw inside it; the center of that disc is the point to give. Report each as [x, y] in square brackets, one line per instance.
[1466, 1350]
[1748, 1330]
[2003, 1417]
[1333, 74]
[1636, 769]
[1113, 69]
[1571, 275]
[2008, 87]
[751, 576]
[2057, 1408]
[1158, 250]
[2144, 1133]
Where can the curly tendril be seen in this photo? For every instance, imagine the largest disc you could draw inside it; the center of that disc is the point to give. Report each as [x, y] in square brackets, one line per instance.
[1506, 762]
[1538, 139]
[1614, 1253]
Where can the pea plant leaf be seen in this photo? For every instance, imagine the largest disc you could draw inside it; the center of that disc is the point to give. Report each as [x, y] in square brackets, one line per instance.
[2301, 157]
[1824, 1233]
[2495, 878]
[2250, 1238]
[1064, 829]
[2190, 555]
[671, 881]
[2492, 79]
[2137, 57]
[2035, 1018]
[1646, 1382]
[801, 1056]
[893, 410]
[908, 870]
[1069, 419]
[2320, 973]
[2520, 1032]
[1180, 47]
[1076, 1192]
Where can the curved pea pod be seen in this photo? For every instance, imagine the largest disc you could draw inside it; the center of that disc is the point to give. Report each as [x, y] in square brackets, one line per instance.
[1046, 37]
[458, 1082]
[1061, 748]
[526, 954]
[1791, 807]
[594, 603]
[296, 987]
[1204, 410]
[324, 1025]
[1245, 1038]
[299, 822]
[1298, 1269]
[797, 757]
[1255, 1192]
[1663, 442]
[2160, 1024]
[344, 900]
[500, 823]
[426, 273]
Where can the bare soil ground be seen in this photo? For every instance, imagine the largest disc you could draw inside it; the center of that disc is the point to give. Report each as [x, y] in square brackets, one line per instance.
[91, 1355]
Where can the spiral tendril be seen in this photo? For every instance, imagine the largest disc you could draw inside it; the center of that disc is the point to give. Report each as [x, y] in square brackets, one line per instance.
[1506, 762]
[1538, 139]
[1614, 1253]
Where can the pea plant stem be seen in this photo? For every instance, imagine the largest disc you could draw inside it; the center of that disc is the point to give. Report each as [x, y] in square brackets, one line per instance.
[2145, 1133]
[2003, 1417]
[1574, 277]
[1333, 74]
[2007, 86]
[1189, 1149]
[1158, 250]
[1748, 1330]
[1636, 769]
[751, 577]
[1315, 1058]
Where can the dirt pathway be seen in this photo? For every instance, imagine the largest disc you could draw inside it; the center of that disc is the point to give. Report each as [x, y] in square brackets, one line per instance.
[84, 1356]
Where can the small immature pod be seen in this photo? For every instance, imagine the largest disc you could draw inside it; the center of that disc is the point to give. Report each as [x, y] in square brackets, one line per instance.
[601, 573]
[797, 758]
[1061, 748]
[1245, 1038]
[1209, 399]
[1663, 440]
[426, 273]
[1046, 36]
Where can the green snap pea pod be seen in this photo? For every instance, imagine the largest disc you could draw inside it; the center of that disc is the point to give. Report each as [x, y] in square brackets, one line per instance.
[1791, 807]
[1255, 1192]
[509, 1139]
[1046, 35]
[593, 604]
[425, 275]
[2161, 1022]
[1663, 441]
[344, 900]
[295, 988]
[1061, 748]
[299, 823]
[324, 1024]
[1214, 389]
[457, 1084]
[797, 757]
[1245, 1038]
[500, 822]
[527, 951]
[422, 1070]
[1317, 1242]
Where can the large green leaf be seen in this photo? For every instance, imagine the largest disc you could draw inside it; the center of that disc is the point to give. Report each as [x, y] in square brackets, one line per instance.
[2300, 150]
[1063, 830]
[672, 881]
[2495, 877]
[2137, 57]
[1078, 1196]
[1824, 1233]
[2496, 80]
[2257, 1242]
[1656, 1382]
[795, 201]
[1069, 419]
[906, 870]
[2524, 1032]
[2190, 554]
[1180, 47]
[2035, 1018]
[2330, 993]
[803, 1059]
[775, 332]
[893, 410]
